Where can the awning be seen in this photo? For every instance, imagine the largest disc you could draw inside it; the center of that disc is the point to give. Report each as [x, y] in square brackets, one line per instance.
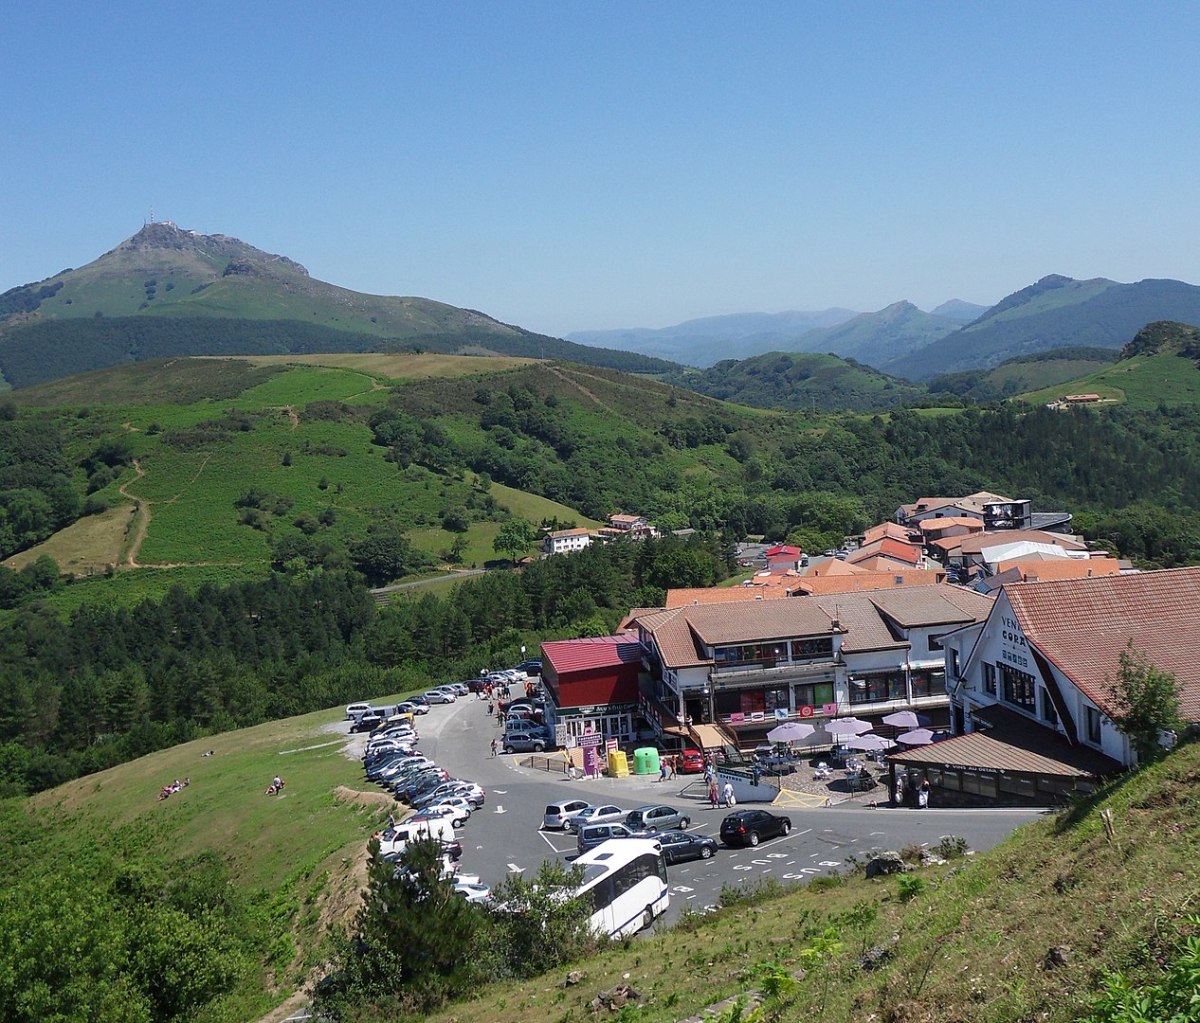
[710, 737]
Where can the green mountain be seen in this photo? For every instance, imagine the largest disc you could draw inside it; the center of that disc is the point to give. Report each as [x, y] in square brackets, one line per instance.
[789, 380]
[1055, 312]
[880, 337]
[168, 291]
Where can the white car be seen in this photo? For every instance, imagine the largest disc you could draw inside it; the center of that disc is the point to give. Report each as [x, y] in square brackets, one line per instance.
[440, 696]
[473, 891]
[594, 815]
[460, 809]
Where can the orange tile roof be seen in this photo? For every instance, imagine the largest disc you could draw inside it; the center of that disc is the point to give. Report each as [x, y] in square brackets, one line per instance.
[834, 566]
[1060, 568]
[915, 606]
[889, 529]
[887, 548]
[946, 521]
[976, 542]
[724, 594]
[1083, 625]
[868, 581]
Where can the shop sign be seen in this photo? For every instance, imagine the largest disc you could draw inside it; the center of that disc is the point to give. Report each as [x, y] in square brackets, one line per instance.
[591, 739]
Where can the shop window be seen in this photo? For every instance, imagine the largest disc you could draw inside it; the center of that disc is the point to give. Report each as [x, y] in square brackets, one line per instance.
[814, 694]
[877, 688]
[1019, 688]
[812, 649]
[928, 683]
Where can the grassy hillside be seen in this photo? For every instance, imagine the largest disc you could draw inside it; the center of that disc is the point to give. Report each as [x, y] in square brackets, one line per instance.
[802, 381]
[1142, 381]
[1024, 373]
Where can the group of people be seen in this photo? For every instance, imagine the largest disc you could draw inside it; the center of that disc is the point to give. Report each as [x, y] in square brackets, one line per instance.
[168, 791]
[667, 768]
[275, 787]
[917, 795]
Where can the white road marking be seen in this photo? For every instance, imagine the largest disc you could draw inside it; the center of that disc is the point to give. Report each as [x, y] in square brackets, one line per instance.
[515, 869]
[829, 863]
[500, 792]
[500, 809]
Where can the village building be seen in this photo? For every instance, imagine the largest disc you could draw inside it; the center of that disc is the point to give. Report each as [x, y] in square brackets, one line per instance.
[1031, 685]
[564, 541]
[592, 685]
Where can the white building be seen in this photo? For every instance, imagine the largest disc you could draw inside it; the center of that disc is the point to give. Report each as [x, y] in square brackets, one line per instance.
[563, 541]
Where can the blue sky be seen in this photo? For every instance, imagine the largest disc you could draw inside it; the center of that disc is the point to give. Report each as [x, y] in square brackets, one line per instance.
[566, 166]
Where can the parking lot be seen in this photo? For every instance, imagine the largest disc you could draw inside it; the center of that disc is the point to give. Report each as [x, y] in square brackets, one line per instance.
[506, 835]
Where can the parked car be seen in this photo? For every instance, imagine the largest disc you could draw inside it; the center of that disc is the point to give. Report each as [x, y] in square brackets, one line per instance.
[420, 703]
[473, 891]
[367, 722]
[594, 815]
[691, 761]
[557, 814]
[440, 696]
[460, 810]
[457, 688]
[356, 710]
[656, 817]
[749, 827]
[530, 667]
[472, 793]
[592, 835]
[679, 846]
[525, 742]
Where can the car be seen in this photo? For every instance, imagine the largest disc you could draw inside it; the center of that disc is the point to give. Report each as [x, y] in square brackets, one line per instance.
[525, 742]
[556, 814]
[594, 815]
[523, 726]
[656, 817]
[691, 761]
[435, 812]
[592, 835]
[420, 703]
[450, 849]
[530, 667]
[458, 688]
[367, 722]
[679, 846]
[460, 810]
[356, 710]
[440, 696]
[472, 793]
[749, 827]
[473, 891]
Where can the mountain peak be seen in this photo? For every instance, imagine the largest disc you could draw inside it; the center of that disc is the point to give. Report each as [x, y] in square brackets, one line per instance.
[163, 236]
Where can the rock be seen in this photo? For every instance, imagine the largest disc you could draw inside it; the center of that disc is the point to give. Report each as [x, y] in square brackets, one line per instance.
[1058, 955]
[873, 958]
[574, 977]
[881, 864]
[615, 998]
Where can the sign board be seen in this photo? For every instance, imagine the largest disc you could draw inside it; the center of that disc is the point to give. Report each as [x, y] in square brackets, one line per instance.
[591, 740]
[560, 735]
[830, 709]
[781, 714]
[610, 745]
[737, 719]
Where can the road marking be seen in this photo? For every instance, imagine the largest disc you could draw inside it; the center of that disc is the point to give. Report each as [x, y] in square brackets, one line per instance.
[777, 856]
[682, 888]
[500, 809]
[515, 869]
[761, 863]
[829, 863]
[742, 866]
[500, 792]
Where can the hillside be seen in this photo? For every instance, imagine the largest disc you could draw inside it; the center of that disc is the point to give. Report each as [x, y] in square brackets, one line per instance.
[158, 293]
[1159, 366]
[1024, 373]
[1055, 312]
[880, 337]
[788, 380]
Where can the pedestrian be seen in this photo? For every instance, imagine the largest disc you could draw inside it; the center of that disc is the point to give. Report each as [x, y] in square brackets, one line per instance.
[713, 796]
[662, 770]
[756, 774]
[923, 794]
[491, 707]
[727, 792]
[898, 795]
[495, 746]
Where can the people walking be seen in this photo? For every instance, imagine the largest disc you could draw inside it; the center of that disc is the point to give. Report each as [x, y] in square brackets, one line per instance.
[714, 796]
[727, 793]
[495, 746]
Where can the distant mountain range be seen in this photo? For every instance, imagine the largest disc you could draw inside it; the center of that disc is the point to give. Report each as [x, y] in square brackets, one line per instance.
[167, 291]
[901, 340]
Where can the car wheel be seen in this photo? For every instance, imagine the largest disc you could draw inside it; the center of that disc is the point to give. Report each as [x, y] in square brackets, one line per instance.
[508, 749]
[787, 826]
[460, 822]
[684, 822]
[647, 918]
[538, 747]
[652, 830]
[705, 852]
[753, 839]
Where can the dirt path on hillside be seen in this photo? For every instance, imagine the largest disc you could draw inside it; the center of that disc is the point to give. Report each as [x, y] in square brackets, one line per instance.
[142, 514]
[576, 384]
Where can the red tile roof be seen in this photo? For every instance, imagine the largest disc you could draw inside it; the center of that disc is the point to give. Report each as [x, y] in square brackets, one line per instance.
[595, 652]
[897, 550]
[1082, 625]
[781, 549]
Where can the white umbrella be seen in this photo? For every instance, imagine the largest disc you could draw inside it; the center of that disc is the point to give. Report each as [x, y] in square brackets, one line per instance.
[904, 719]
[917, 737]
[847, 726]
[869, 742]
[790, 731]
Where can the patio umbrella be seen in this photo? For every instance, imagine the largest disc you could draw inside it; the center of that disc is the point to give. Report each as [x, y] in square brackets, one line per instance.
[917, 737]
[790, 731]
[905, 719]
[870, 742]
[847, 726]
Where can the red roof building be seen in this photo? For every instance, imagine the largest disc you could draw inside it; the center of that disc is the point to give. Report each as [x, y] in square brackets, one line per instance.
[594, 683]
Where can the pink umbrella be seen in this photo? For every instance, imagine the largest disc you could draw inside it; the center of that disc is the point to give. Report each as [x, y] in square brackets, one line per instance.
[790, 731]
[847, 726]
[870, 742]
[904, 719]
[917, 737]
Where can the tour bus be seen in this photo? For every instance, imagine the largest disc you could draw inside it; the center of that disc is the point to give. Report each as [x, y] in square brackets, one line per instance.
[625, 885]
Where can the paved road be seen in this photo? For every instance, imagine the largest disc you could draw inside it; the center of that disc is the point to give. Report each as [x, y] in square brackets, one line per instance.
[505, 835]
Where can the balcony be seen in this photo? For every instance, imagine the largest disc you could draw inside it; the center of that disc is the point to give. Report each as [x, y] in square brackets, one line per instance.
[771, 673]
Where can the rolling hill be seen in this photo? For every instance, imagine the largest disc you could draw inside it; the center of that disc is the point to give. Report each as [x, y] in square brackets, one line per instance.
[1055, 312]
[167, 291]
[1024, 373]
[799, 381]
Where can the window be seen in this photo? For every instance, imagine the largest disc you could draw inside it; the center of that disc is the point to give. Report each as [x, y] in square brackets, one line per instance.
[812, 649]
[1091, 719]
[1019, 688]
[935, 642]
[989, 679]
[1049, 714]
[928, 683]
[952, 663]
[814, 695]
[873, 688]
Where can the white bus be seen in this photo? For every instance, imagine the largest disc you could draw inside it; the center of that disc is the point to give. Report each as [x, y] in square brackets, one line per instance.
[625, 884]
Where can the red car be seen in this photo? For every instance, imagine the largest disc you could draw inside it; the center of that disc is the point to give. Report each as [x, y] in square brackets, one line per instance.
[691, 762]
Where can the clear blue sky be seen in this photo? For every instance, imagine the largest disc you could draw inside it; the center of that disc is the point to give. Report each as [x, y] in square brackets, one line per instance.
[584, 165]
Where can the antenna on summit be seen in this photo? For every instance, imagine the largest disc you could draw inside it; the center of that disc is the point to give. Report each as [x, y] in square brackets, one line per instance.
[151, 220]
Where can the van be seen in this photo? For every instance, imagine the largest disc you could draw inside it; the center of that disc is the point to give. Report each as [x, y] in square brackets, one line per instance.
[592, 835]
[557, 813]
[396, 839]
[356, 710]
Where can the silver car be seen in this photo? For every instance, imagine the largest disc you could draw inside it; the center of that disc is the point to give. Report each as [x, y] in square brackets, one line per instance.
[594, 815]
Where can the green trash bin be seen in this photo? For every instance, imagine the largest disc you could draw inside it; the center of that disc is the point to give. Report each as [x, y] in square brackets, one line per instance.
[645, 760]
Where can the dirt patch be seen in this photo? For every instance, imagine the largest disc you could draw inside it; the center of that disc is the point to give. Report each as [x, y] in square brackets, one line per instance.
[364, 799]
